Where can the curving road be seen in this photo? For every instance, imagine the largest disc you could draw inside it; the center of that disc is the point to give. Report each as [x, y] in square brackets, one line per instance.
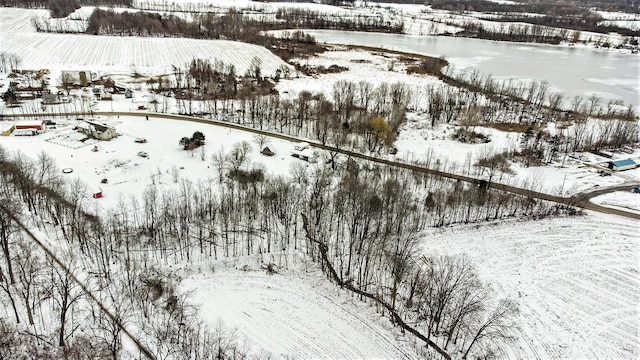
[580, 200]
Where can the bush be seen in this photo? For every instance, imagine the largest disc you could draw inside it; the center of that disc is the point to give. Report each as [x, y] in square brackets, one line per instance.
[467, 136]
[248, 177]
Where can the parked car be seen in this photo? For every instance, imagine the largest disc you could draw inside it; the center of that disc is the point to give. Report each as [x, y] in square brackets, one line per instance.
[143, 154]
[636, 190]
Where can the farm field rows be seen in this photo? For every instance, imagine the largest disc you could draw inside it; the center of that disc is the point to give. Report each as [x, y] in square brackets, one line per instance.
[576, 280]
[294, 315]
[119, 54]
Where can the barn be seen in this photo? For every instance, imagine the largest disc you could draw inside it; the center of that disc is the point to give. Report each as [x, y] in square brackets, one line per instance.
[39, 125]
[621, 165]
[267, 151]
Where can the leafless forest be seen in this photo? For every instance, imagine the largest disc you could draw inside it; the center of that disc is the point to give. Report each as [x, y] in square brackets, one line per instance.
[358, 222]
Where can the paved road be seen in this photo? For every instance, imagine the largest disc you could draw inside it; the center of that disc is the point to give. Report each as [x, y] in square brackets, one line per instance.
[584, 200]
[580, 200]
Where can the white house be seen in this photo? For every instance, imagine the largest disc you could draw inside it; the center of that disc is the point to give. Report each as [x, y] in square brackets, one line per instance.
[97, 130]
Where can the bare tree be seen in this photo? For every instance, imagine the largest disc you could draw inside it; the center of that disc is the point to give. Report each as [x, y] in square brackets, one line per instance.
[261, 141]
[9, 210]
[30, 274]
[238, 155]
[497, 325]
[66, 292]
[66, 79]
[219, 161]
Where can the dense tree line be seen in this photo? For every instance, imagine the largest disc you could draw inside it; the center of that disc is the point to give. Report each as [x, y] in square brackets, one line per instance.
[564, 8]
[49, 316]
[365, 117]
[565, 15]
[233, 24]
[9, 61]
[62, 8]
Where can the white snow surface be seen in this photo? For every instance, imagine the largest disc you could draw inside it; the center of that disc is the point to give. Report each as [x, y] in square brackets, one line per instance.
[296, 315]
[150, 55]
[623, 200]
[576, 280]
[127, 173]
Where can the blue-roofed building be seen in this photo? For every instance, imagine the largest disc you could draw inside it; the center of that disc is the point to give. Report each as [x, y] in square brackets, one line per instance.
[621, 165]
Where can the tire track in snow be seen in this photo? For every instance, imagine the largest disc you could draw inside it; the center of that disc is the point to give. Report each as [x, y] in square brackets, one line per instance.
[578, 280]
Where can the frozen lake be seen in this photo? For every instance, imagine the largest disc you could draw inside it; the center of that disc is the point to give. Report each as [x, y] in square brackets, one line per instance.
[571, 70]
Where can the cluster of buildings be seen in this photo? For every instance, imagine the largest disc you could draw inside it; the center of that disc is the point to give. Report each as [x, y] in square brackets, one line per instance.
[91, 128]
[34, 84]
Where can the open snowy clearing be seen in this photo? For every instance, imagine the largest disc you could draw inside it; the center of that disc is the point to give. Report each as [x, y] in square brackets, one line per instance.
[577, 281]
[624, 200]
[129, 174]
[294, 315]
[149, 55]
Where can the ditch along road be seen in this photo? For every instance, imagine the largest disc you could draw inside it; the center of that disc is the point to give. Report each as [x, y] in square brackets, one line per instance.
[580, 200]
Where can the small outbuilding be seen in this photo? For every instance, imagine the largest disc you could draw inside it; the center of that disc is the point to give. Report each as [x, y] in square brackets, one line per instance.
[301, 146]
[39, 125]
[307, 154]
[267, 151]
[621, 165]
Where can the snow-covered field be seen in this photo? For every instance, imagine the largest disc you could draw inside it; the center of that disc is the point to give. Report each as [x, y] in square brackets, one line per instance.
[624, 200]
[118, 54]
[127, 173]
[295, 315]
[623, 20]
[577, 281]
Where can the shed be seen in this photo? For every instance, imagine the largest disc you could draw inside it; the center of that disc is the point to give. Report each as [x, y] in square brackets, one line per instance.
[38, 125]
[306, 155]
[621, 165]
[267, 151]
[7, 131]
[97, 194]
[301, 146]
